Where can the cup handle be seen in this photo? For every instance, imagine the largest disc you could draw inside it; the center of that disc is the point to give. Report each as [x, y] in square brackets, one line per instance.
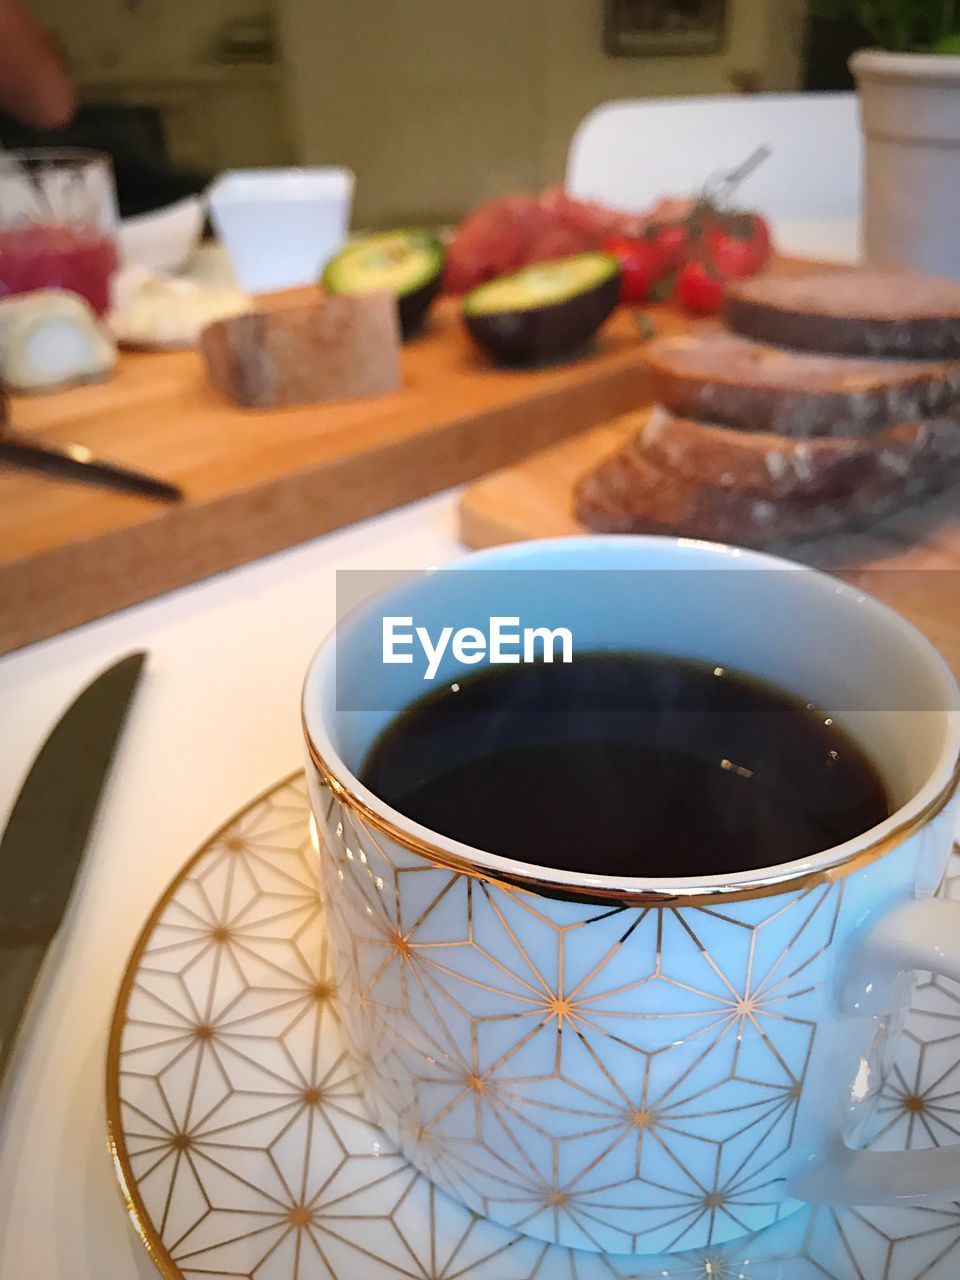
[921, 935]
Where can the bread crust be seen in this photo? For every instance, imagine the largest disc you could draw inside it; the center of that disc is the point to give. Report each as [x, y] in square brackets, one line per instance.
[337, 348]
[866, 312]
[629, 492]
[774, 466]
[750, 386]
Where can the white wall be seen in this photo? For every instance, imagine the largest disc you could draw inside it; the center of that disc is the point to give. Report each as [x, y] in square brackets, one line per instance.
[438, 103]
[435, 104]
[168, 36]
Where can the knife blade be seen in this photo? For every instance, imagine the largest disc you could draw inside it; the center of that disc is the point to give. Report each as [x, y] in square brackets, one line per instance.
[43, 844]
[76, 462]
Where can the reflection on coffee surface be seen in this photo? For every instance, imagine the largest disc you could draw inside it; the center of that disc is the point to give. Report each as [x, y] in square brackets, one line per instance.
[627, 765]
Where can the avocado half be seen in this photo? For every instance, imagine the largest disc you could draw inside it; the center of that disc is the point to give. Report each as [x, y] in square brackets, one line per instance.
[546, 312]
[408, 264]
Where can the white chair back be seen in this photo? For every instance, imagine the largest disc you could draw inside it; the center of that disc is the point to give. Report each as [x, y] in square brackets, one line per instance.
[626, 154]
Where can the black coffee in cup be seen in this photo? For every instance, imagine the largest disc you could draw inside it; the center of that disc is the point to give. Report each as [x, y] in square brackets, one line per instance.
[627, 765]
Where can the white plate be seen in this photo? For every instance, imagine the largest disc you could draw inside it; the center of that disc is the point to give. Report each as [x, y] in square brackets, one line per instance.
[164, 239]
[244, 1148]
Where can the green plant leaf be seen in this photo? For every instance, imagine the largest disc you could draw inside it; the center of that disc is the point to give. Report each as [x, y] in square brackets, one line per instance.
[663, 289]
[832, 10]
[645, 325]
[898, 25]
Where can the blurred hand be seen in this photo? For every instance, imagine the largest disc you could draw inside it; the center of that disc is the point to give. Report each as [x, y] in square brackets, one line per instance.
[33, 84]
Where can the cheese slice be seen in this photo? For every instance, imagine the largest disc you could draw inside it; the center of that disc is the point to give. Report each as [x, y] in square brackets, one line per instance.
[163, 314]
[51, 338]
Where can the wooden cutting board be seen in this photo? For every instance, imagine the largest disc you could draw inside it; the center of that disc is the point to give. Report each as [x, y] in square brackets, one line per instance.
[258, 481]
[911, 560]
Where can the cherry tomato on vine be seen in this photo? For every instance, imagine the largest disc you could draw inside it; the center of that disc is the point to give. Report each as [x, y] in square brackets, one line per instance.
[636, 266]
[738, 245]
[700, 290]
[670, 244]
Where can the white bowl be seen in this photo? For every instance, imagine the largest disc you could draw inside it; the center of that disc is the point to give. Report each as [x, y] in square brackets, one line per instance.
[281, 226]
[165, 239]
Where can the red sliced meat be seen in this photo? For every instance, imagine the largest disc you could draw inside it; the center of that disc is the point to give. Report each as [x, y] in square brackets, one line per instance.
[502, 236]
[511, 232]
[589, 219]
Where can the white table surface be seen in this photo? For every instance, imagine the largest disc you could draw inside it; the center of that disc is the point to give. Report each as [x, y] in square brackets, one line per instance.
[216, 720]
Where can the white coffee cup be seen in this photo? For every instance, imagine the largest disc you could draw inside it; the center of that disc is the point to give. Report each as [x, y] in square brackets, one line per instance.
[649, 1064]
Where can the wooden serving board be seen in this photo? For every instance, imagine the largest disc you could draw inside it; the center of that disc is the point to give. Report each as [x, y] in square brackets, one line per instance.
[911, 560]
[258, 481]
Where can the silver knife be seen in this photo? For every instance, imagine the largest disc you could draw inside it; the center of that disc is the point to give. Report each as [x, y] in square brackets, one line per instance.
[76, 462]
[42, 846]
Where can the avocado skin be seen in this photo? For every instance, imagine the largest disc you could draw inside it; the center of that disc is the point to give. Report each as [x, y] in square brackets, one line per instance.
[544, 335]
[414, 307]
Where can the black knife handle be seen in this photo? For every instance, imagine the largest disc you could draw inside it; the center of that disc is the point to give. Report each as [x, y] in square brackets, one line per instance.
[52, 461]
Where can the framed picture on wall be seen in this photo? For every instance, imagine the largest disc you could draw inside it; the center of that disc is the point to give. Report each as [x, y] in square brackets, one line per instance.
[639, 28]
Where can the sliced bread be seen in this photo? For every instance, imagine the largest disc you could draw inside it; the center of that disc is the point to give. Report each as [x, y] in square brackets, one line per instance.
[731, 380]
[773, 466]
[629, 493]
[867, 311]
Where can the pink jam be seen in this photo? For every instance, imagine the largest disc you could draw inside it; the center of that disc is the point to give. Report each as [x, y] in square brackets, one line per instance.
[58, 256]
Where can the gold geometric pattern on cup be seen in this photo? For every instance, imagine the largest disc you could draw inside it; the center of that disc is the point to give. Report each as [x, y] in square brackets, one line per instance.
[234, 1185]
[420, 993]
[920, 1104]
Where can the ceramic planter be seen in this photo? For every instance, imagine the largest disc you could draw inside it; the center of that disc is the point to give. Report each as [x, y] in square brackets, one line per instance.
[911, 124]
